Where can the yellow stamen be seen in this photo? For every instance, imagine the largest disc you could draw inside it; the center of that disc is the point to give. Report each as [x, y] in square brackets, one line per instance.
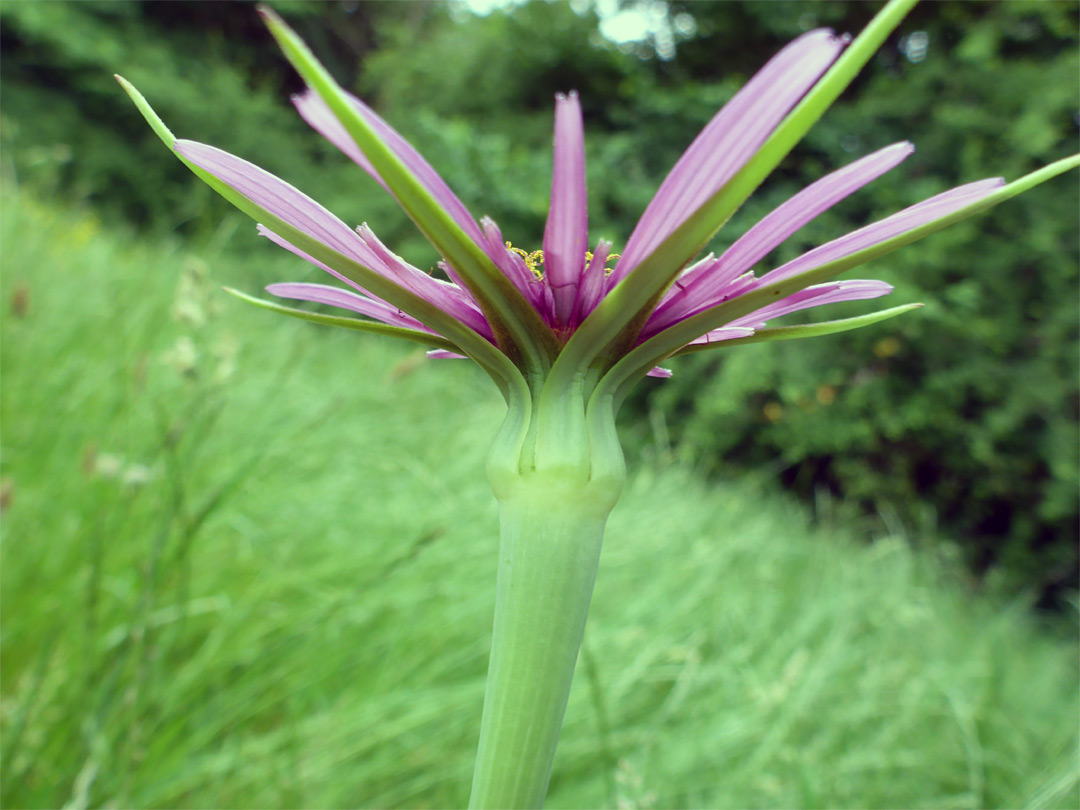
[532, 260]
[535, 260]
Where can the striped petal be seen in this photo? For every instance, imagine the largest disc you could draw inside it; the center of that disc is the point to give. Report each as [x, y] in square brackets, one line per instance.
[344, 299]
[318, 115]
[320, 118]
[657, 371]
[706, 283]
[910, 218]
[818, 295]
[591, 289]
[284, 243]
[446, 297]
[279, 198]
[450, 298]
[314, 110]
[301, 212]
[566, 236]
[723, 333]
[801, 331]
[515, 269]
[730, 140]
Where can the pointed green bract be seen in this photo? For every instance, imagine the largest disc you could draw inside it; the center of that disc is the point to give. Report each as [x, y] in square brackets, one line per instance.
[803, 330]
[400, 332]
[638, 361]
[497, 365]
[614, 324]
[148, 113]
[510, 315]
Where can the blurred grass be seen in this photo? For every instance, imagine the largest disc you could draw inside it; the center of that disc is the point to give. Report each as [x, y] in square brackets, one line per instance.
[250, 563]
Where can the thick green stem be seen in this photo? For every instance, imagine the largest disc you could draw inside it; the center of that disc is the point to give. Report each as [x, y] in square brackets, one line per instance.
[552, 525]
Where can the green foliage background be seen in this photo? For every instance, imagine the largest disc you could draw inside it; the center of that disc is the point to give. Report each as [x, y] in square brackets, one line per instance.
[961, 418]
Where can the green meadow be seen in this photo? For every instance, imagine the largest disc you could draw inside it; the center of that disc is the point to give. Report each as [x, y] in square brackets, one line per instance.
[249, 562]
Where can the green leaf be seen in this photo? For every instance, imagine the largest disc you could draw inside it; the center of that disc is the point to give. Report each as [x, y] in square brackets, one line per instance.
[803, 330]
[412, 335]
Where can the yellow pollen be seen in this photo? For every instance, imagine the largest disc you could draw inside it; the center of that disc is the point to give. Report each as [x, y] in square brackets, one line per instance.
[535, 260]
[532, 260]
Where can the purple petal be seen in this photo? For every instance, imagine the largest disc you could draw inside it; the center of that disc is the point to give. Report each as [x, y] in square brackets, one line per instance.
[316, 112]
[514, 268]
[657, 371]
[706, 283]
[303, 213]
[687, 276]
[895, 225]
[818, 295]
[730, 140]
[277, 240]
[320, 118]
[443, 354]
[566, 234]
[450, 298]
[685, 306]
[279, 198]
[723, 333]
[337, 297]
[593, 283]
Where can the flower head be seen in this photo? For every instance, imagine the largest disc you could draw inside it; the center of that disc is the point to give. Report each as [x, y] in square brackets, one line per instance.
[567, 310]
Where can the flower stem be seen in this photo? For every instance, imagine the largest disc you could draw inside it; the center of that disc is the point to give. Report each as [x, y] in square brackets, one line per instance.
[551, 534]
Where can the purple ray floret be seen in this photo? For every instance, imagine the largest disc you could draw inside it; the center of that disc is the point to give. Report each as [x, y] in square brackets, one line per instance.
[729, 140]
[564, 284]
[707, 283]
[343, 299]
[906, 220]
[278, 197]
[566, 237]
[314, 110]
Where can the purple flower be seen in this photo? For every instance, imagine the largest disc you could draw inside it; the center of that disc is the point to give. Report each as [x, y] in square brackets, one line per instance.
[656, 300]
